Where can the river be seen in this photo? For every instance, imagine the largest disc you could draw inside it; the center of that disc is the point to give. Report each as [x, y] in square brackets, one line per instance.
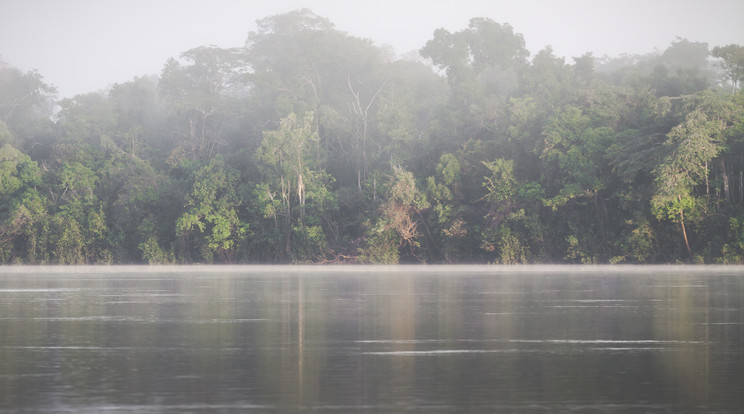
[340, 339]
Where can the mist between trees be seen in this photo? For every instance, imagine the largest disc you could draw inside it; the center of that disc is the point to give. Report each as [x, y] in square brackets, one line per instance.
[308, 145]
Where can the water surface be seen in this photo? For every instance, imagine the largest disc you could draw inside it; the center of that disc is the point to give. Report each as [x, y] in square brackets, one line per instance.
[371, 339]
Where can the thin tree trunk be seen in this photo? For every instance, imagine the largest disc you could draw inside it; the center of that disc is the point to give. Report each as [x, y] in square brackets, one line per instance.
[363, 113]
[301, 196]
[684, 232]
[286, 196]
[287, 234]
[726, 187]
[374, 189]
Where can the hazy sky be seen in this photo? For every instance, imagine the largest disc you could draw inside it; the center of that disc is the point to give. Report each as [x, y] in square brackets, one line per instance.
[86, 45]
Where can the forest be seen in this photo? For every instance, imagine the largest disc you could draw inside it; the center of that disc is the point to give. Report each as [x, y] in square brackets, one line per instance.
[308, 145]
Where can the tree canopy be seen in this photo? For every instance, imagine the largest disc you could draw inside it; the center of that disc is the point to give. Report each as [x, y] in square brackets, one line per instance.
[308, 145]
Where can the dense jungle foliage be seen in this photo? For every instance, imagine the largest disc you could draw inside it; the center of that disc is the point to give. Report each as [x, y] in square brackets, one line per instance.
[310, 145]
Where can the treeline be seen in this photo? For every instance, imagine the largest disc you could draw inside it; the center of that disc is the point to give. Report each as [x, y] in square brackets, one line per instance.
[308, 145]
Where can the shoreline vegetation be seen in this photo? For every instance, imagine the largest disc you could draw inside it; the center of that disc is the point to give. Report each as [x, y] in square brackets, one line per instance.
[308, 145]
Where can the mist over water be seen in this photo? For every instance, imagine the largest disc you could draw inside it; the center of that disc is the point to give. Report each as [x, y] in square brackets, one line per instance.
[462, 269]
[373, 339]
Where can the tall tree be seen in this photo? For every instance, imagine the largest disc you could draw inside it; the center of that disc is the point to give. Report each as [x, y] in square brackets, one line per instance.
[295, 192]
[200, 92]
[481, 63]
[26, 102]
[732, 62]
[691, 145]
[22, 207]
[299, 64]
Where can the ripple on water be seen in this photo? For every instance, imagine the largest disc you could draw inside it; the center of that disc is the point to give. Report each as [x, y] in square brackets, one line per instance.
[106, 318]
[45, 290]
[160, 408]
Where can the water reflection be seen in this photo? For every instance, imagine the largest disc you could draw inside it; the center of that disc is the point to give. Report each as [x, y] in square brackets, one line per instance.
[413, 340]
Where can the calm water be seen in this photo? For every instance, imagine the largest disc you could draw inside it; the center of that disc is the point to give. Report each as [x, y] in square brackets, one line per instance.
[378, 340]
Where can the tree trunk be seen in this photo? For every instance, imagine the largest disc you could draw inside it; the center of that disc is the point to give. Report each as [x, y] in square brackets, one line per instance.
[363, 114]
[726, 187]
[288, 234]
[684, 232]
[286, 199]
[301, 196]
[374, 189]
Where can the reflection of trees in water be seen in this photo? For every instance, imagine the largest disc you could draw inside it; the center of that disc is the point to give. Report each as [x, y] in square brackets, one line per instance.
[390, 340]
[686, 317]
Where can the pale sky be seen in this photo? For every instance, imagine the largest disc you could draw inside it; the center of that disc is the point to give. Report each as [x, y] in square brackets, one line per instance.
[87, 45]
